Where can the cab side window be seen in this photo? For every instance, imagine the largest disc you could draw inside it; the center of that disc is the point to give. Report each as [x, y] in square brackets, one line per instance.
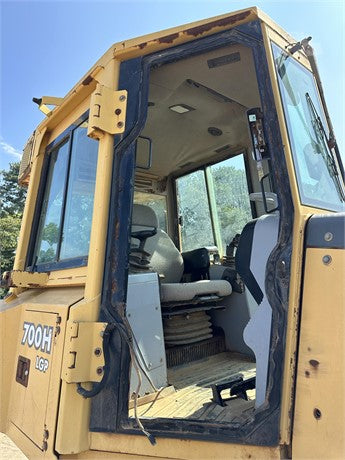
[213, 204]
[66, 211]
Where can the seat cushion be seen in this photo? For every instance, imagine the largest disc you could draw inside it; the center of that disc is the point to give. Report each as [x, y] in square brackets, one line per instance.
[182, 292]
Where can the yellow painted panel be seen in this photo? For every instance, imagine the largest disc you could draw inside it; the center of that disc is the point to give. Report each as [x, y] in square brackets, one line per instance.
[28, 402]
[40, 298]
[93, 454]
[179, 448]
[34, 393]
[9, 320]
[319, 424]
[10, 314]
[67, 277]
[30, 449]
[39, 306]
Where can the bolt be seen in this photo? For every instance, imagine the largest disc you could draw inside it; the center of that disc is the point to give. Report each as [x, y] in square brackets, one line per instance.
[46, 434]
[150, 365]
[128, 315]
[317, 413]
[45, 446]
[120, 124]
[328, 236]
[118, 111]
[327, 259]
[99, 370]
[122, 98]
[98, 351]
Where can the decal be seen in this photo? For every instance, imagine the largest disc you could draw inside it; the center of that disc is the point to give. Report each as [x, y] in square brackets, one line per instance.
[38, 336]
[41, 364]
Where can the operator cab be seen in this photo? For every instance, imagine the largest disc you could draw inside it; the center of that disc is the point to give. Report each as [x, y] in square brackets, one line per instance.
[204, 222]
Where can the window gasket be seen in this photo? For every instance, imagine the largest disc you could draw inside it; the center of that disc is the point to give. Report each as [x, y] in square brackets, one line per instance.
[75, 262]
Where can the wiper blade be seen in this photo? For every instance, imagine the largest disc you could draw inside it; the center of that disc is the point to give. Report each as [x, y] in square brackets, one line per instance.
[325, 152]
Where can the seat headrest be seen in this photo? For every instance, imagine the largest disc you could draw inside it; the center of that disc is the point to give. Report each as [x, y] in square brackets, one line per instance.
[144, 216]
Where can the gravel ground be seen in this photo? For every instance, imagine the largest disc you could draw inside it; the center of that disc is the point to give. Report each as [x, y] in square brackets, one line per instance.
[8, 450]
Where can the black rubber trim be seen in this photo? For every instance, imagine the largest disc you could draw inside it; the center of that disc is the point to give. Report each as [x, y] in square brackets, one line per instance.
[326, 231]
[243, 256]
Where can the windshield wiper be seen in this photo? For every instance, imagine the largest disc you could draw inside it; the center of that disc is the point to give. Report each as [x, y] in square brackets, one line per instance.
[325, 152]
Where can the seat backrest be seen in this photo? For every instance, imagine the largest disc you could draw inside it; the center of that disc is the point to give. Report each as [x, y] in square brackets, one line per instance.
[256, 243]
[166, 259]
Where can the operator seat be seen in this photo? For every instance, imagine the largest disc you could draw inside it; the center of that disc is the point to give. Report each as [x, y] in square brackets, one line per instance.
[167, 261]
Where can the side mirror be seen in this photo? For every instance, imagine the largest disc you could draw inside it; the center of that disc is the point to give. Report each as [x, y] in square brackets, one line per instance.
[255, 122]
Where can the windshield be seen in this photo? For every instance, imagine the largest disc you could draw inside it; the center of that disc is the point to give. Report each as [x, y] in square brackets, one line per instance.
[319, 181]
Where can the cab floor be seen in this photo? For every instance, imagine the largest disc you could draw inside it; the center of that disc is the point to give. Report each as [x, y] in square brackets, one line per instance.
[193, 396]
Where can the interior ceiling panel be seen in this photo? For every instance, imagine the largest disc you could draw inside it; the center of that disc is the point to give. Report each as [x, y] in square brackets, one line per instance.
[220, 86]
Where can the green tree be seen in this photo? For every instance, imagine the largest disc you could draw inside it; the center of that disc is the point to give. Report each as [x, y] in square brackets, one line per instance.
[12, 199]
[11, 195]
[9, 231]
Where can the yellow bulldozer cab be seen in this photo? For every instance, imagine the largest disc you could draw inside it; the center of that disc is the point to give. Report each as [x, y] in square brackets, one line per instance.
[184, 201]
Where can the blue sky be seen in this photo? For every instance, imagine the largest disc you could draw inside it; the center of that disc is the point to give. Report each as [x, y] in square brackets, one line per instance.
[47, 46]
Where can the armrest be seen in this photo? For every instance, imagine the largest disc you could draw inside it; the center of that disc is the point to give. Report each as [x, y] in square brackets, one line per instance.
[142, 236]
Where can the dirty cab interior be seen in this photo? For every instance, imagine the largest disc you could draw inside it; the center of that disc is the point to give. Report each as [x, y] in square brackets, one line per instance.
[201, 234]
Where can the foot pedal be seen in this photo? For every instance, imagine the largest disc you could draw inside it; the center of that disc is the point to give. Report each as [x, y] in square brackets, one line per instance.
[240, 389]
[217, 388]
[237, 386]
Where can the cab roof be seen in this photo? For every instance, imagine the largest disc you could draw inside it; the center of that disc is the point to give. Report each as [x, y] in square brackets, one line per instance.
[140, 46]
[150, 43]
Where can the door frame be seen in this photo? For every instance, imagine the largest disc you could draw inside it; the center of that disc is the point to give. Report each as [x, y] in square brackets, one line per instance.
[110, 408]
